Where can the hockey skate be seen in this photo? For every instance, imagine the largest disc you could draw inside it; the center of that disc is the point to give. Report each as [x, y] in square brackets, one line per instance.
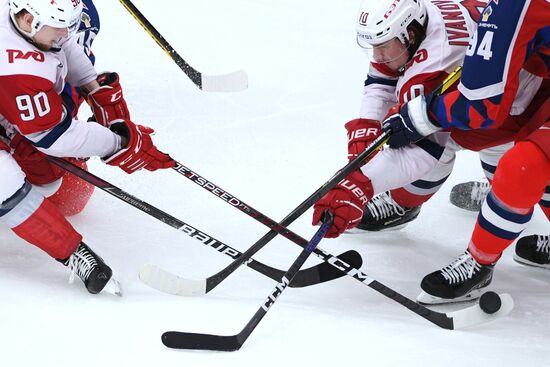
[470, 195]
[533, 250]
[96, 275]
[382, 213]
[463, 280]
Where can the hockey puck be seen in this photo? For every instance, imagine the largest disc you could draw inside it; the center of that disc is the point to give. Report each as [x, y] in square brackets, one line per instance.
[490, 302]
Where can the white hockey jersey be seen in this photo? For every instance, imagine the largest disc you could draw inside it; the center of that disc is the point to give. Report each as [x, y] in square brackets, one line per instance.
[32, 101]
[450, 26]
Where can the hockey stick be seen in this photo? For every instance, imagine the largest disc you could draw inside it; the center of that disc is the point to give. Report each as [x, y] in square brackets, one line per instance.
[232, 82]
[316, 274]
[469, 316]
[184, 340]
[459, 319]
[167, 282]
[276, 228]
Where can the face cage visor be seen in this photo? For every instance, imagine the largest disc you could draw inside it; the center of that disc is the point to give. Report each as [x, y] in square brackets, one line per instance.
[384, 56]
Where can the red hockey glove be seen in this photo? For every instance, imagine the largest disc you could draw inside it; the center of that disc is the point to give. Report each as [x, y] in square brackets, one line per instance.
[346, 202]
[107, 101]
[361, 133]
[140, 152]
[23, 150]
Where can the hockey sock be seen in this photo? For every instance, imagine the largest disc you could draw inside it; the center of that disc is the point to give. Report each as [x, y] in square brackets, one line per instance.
[496, 228]
[519, 183]
[39, 222]
[407, 199]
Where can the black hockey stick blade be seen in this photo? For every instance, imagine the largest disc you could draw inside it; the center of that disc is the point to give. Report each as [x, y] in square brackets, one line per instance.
[325, 272]
[170, 283]
[185, 340]
[178, 340]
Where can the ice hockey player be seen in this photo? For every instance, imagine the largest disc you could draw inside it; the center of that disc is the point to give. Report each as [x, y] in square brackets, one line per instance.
[406, 63]
[67, 192]
[512, 37]
[41, 55]
[405, 38]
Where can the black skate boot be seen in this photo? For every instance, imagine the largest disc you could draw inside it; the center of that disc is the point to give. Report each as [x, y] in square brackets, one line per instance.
[383, 213]
[89, 267]
[533, 250]
[462, 280]
[470, 195]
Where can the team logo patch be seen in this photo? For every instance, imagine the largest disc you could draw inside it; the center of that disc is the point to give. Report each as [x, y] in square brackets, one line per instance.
[86, 20]
[486, 14]
[18, 54]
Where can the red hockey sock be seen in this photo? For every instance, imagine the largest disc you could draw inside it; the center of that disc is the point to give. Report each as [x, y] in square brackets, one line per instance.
[47, 229]
[496, 228]
[408, 199]
[518, 184]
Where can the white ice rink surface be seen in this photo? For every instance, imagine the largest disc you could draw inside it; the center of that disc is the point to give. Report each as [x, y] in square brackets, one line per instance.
[271, 145]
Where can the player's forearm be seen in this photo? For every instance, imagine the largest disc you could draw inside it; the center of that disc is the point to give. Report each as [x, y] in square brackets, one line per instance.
[84, 140]
[88, 87]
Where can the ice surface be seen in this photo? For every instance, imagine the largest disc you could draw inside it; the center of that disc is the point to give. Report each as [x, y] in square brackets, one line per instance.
[271, 145]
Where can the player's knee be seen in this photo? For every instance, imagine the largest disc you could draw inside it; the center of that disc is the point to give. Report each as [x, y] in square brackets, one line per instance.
[522, 175]
[12, 177]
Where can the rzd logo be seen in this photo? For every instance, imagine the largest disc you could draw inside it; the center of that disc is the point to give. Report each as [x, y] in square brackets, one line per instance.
[18, 54]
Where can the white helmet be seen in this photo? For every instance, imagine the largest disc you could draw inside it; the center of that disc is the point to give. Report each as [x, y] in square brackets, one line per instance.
[382, 20]
[53, 13]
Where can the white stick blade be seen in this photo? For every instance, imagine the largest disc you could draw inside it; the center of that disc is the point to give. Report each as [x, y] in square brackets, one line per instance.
[166, 282]
[232, 82]
[474, 315]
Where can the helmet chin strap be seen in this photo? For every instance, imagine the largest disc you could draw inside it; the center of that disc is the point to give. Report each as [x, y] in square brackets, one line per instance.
[409, 49]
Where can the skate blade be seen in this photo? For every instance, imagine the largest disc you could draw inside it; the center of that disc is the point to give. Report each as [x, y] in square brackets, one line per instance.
[427, 299]
[356, 230]
[113, 287]
[530, 263]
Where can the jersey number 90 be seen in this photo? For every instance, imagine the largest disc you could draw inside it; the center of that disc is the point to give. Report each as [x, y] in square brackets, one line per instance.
[31, 107]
